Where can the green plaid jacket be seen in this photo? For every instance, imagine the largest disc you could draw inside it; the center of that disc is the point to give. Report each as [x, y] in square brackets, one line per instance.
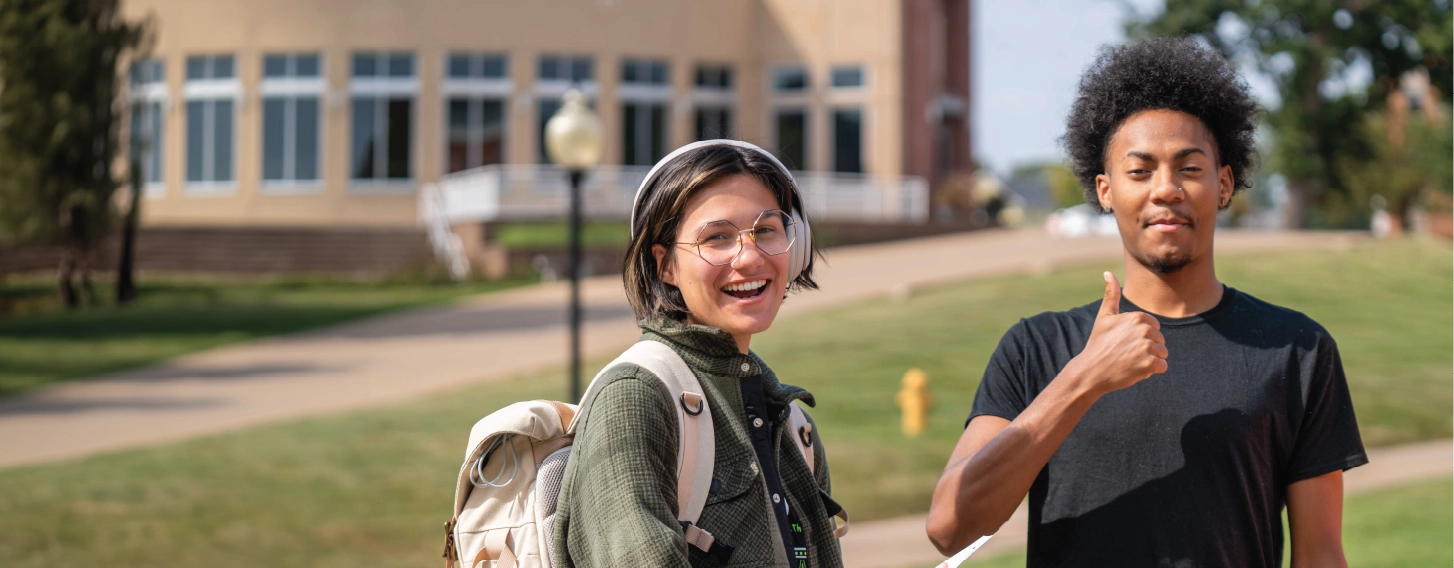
[618, 499]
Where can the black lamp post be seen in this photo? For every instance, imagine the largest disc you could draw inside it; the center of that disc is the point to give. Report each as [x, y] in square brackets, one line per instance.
[573, 139]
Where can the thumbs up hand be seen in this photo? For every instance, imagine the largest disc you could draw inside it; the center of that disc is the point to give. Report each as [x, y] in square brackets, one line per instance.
[1123, 349]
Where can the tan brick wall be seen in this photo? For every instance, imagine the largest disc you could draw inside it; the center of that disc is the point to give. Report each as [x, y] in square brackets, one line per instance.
[750, 35]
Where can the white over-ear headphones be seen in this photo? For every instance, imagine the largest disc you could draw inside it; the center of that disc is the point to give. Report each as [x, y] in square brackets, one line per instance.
[802, 250]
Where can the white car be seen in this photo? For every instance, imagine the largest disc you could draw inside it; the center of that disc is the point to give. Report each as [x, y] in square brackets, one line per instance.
[1081, 221]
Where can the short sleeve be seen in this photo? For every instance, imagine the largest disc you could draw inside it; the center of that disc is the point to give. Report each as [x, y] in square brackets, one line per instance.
[1002, 389]
[1327, 438]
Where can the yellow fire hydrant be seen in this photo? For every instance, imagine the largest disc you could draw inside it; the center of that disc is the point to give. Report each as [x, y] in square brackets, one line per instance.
[914, 401]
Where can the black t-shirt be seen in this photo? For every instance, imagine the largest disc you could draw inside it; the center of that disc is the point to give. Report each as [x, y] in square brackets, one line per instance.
[1189, 467]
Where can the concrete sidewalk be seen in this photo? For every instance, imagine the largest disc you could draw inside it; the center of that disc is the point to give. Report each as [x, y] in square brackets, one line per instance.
[400, 356]
[902, 543]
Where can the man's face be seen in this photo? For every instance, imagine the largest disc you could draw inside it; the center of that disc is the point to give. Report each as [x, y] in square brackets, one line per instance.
[1164, 182]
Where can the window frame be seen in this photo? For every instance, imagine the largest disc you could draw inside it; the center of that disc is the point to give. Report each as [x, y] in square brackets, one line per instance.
[382, 88]
[572, 60]
[474, 104]
[476, 89]
[722, 70]
[210, 90]
[863, 138]
[715, 97]
[646, 108]
[150, 92]
[645, 96]
[807, 137]
[476, 62]
[862, 77]
[553, 90]
[291, 88]
[777, 71]
[729, 125]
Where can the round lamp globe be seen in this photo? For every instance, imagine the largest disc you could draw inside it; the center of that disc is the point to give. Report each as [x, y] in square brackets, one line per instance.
[573, 135]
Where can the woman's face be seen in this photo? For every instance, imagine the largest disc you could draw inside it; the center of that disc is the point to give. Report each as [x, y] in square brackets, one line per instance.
[742, 296]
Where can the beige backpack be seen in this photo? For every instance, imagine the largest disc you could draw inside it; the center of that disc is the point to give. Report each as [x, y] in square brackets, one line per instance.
[505, 497]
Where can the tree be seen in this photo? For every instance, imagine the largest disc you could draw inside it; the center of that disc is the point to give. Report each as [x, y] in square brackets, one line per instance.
[1432, 141]
[1315, 52]
[59, 118]
[1411, 157]
[126, 264]
[1064, 188]
[1392, 172]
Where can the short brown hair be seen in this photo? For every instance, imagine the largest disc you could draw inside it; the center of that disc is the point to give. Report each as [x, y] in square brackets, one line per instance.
[658, 216]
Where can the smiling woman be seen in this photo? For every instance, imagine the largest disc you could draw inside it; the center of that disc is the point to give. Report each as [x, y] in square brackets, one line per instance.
[717, 241]
[682, 184]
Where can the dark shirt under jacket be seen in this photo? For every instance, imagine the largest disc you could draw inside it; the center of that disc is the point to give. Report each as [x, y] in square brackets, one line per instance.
[1189, 467]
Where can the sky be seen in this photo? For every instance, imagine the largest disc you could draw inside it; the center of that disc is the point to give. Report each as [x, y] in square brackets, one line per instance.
[1027, 56]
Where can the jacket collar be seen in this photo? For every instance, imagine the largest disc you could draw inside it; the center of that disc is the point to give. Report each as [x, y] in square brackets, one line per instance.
[712, 353]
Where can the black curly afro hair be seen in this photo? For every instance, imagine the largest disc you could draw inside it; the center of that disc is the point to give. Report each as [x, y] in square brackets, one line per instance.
[1160, 73]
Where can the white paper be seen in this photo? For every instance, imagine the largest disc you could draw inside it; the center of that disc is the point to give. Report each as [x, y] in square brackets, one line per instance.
[961, 556]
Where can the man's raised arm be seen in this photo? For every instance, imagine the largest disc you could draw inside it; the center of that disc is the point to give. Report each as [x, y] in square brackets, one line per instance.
[996, 460]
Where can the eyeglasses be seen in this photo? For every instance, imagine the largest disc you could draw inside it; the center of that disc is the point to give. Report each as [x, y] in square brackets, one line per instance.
[720, 242]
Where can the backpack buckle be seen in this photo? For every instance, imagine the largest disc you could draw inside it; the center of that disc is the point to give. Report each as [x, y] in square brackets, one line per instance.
[688, 399]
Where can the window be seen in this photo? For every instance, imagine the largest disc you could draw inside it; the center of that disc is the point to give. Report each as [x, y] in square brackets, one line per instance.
[848, 140]
[476, 87]
[714, 122]
[383, 65]
[643, 72]
[278, 66]
[211, 92]
[292, 91]
[791, 133]
[846, 77]
[790, 79]
[575, 69]
[148, 72]
[477, 66]
[382, 116]
[643, 133]
[644, 94]
[557, 74]
[714, 102]
[476, 132]
[210, 67]
[714, 77]
[148, 100]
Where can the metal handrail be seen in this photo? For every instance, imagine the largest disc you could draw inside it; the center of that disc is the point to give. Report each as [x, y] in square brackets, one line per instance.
[511, 192]
[534, 191]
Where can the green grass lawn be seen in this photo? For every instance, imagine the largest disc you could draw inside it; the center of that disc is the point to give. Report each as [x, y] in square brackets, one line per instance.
[555, 234]
[43, 344]
[373, 487]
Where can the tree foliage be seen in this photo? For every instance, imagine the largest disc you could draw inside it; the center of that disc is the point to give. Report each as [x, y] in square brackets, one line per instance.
[59, 121]
[1318, 53]
[1432, 143]
[1064, 188]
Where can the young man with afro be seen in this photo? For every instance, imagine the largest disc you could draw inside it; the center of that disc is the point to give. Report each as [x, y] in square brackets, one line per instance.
[1170, 422]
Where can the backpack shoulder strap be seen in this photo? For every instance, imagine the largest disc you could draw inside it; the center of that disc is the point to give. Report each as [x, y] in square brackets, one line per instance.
[696, 442]
[802, 431]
